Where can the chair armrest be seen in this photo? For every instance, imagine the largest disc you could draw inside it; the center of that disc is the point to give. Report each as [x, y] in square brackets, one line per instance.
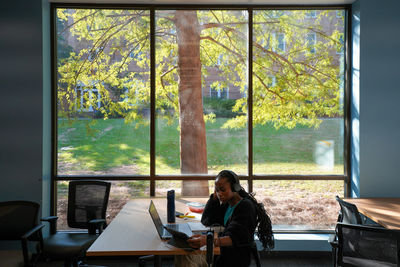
[32, 231]
[53, 223]
[26, 236]
[96, 224]
[376, 225]
[49, 219]
[333, 241]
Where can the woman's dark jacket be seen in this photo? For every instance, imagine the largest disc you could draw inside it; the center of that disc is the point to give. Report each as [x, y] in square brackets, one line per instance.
[240, 228]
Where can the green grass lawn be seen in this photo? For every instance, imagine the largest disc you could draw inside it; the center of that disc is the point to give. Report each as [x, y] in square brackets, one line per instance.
[115, 147]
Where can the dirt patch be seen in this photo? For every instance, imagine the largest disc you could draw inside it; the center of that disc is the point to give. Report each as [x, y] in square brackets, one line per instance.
[287, 211]
[67, 168]
[305, 213]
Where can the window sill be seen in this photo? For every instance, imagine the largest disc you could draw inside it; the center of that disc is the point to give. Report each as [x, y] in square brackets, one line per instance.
[300, 242]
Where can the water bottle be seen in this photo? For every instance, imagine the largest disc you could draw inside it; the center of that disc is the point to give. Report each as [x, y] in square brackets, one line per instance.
[171, 206]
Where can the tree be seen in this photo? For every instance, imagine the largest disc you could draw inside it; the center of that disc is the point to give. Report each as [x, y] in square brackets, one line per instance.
[295, 81]
[192, 126]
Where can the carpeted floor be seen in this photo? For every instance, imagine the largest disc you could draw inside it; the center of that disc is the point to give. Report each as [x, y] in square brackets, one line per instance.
[278, 259]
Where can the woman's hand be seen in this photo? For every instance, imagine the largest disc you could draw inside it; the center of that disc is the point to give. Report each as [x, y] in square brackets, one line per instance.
[197, 241]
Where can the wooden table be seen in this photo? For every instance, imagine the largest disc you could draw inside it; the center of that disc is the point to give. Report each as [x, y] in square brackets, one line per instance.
[385, 211]
[132, 232]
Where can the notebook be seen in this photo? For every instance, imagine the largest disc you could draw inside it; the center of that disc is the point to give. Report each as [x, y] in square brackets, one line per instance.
[180, 230]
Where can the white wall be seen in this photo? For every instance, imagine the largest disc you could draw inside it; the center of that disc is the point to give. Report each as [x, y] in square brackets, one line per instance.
[379, 98]
[21, 100]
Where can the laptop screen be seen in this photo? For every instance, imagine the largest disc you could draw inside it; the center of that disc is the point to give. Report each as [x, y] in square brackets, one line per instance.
[156, 218]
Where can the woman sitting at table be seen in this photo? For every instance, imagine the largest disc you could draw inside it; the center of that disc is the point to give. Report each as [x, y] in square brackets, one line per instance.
[240, 214]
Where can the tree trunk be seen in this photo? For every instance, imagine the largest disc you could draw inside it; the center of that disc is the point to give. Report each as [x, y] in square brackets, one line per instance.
[193, 148]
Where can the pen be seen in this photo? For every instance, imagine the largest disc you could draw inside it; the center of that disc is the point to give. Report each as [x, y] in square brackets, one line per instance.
[186, 216]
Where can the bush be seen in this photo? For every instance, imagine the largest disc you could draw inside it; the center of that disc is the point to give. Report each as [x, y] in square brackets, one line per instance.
[222, 108]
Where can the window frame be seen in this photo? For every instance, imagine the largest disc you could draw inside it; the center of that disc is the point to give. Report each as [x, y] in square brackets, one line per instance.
[311, 42]
[91, 92]
[281, 46]
[250, 177]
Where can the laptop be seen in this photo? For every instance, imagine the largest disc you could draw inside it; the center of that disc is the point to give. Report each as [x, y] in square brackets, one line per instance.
[166, 231]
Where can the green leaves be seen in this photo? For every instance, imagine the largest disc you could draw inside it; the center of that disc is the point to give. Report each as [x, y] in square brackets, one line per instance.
[306, 74]
[296, 79]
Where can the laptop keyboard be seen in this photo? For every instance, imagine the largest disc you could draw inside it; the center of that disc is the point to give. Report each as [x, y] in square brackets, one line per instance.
[173, 226]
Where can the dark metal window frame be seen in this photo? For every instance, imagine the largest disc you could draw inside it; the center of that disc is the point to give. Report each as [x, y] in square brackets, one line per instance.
[250, 177]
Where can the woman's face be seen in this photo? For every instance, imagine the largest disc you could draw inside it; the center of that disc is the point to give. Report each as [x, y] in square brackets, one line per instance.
[223, 189]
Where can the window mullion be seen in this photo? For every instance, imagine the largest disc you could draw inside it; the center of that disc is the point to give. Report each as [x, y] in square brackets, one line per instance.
[152, 103]
[250, 99]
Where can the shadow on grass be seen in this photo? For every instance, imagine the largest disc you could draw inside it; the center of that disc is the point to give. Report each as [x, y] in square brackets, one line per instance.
[115, 144]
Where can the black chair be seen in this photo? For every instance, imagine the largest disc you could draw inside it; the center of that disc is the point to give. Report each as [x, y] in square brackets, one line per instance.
[348, 214]
[87, 205]
[367, 246]
[156, 258]
[19, 221]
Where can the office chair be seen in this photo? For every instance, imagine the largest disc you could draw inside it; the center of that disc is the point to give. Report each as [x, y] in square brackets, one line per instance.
[143, 259]
[348, 214]
[87, 205]
[19, 221]
[367, 246]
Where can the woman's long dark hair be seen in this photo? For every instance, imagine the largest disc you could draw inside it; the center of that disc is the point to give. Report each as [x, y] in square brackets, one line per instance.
[264, 225]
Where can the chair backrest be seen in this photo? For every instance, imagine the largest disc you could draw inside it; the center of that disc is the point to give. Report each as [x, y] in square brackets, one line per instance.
[87, 200]
[367, 246]
[17, 218]
[349, 212]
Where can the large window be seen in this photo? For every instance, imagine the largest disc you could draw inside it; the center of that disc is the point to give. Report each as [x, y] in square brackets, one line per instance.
[103, 92]
[154, 99]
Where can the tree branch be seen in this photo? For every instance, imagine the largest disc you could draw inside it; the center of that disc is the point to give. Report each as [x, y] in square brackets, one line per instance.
[267, 88]
[318, 71]
[222, 45]
[75, 22]
[241, 35]
[218, 25]
[226, 30]
[162, 82]
[103, 42]
[122, 63]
